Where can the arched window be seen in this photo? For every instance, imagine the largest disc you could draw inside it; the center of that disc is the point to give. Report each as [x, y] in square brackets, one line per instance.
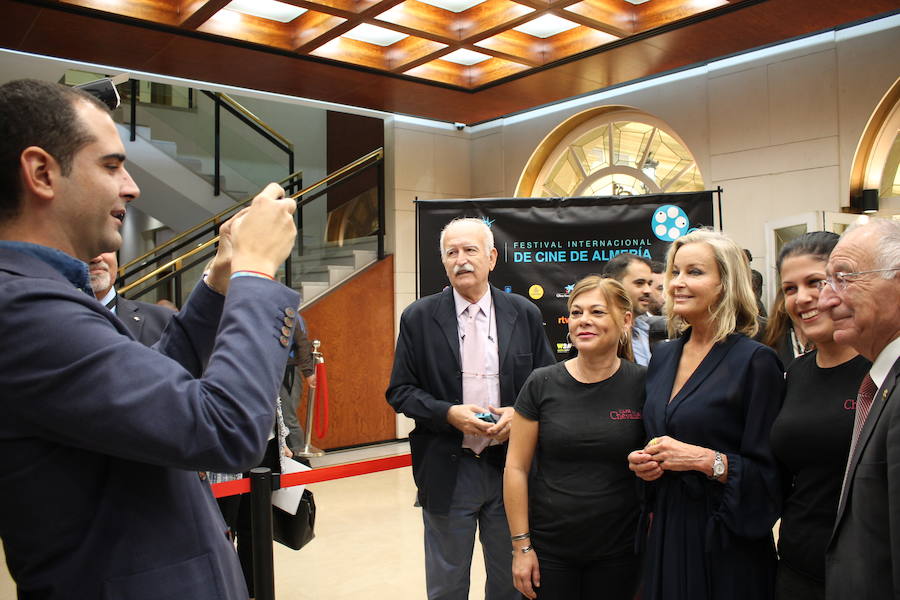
[611, 151]
[876, 164]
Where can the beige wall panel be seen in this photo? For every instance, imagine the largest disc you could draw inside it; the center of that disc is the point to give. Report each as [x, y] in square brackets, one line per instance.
[745, 205]
[452, 175]
[738, 111]
[405, 223]
[803, 98]
[414, 152]
[804, 191]
[487, 165]
[775, 159]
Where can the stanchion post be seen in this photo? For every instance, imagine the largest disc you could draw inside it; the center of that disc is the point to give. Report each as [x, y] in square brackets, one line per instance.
[308, 449]
[261, 528]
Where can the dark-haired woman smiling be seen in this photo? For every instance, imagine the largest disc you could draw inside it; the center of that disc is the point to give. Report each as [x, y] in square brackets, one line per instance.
[811, 435]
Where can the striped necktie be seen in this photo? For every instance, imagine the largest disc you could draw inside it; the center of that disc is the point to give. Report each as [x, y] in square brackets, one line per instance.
[864, 399]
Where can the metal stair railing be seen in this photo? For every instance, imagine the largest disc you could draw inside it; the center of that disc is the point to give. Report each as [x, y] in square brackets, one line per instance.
[173, 268]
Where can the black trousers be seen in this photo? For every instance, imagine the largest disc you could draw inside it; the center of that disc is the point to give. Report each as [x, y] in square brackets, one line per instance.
[791, 584]
[610, 579]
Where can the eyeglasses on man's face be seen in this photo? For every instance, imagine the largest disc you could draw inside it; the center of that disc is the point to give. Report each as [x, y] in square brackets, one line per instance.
[839, 281]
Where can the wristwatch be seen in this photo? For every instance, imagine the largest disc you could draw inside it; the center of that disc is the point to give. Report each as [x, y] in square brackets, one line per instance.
[718, 466]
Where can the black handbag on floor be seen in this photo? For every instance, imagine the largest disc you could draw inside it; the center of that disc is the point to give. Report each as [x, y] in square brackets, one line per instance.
[295, 531]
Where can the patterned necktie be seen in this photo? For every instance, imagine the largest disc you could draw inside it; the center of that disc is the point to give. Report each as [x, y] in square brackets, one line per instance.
[864, 399]
[474, 382]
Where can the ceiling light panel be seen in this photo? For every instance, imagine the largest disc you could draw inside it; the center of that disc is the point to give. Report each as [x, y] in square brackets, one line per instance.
[465, 57]
[636, 2]
[546, 26]
[267, 9]
[374, 35]
[456, 6]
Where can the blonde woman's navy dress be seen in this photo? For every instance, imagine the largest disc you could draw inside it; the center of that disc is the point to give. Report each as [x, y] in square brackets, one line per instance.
[707, 540]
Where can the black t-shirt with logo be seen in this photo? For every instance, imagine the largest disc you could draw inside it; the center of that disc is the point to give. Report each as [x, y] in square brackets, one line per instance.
[583, 500]
[811, 438]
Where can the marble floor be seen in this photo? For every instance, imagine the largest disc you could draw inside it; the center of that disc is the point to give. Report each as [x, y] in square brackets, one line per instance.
[368, 540]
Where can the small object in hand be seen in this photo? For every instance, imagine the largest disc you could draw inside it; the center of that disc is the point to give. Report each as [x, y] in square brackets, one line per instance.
[486, 417]
[653, 442]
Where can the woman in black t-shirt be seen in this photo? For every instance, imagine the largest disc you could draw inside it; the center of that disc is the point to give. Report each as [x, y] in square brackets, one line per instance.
[811, 436]
[573, 517]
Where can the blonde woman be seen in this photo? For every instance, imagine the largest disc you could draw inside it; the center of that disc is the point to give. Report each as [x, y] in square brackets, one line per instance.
[712, 489]
[573, 520]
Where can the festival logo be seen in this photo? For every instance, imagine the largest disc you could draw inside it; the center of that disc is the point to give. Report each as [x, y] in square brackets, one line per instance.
[536, 292]
[669, 222]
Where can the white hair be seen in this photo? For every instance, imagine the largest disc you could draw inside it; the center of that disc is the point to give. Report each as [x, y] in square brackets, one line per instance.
[486, 232]
[887, 249]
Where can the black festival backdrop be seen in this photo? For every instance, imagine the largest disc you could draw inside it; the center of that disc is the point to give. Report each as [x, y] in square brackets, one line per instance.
[545, 245]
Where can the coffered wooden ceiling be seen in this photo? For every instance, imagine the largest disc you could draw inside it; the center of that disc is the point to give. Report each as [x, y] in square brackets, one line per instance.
[455, 60]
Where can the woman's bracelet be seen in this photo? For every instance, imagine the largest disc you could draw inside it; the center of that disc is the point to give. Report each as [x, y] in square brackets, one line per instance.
[524, 550]
[521, 536]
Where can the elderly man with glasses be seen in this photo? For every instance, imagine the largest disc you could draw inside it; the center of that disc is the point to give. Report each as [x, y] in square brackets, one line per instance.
[862, 294]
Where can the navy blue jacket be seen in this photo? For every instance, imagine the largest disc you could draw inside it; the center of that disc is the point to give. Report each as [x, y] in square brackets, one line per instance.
[863, 557]
[101, 438]
[145, 321]
[711, 540]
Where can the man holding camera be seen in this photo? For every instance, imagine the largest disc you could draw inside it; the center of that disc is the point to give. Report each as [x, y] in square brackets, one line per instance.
[101, 438]
[461, 358]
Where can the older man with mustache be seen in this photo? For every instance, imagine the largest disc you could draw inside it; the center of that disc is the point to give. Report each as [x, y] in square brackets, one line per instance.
[461, 358]
[145, 321]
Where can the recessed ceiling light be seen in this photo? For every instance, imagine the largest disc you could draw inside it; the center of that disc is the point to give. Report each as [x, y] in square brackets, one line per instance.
[465, 57]
[267, 9]
[374, 35]
[636, 1]
[456, 6]
[546, 26]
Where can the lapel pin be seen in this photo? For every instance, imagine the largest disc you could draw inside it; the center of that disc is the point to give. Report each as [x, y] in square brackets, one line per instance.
[136, 318]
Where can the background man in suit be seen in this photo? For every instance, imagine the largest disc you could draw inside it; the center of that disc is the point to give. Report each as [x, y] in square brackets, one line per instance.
[862, 293]
[634, 273]
[463, 352]
[657, 300]
[93, 417]
[145, 321]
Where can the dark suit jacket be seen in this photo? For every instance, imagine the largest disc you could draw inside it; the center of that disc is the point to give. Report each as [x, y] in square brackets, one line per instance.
[145, 321]
[862, 561]
[427, 380]
[101, 437]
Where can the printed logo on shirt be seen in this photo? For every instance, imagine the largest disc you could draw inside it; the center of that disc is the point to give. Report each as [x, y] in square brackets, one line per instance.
[625, 414]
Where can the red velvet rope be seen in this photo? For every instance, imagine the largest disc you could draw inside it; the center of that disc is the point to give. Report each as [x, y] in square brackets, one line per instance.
[242, 486]
[321, 420]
